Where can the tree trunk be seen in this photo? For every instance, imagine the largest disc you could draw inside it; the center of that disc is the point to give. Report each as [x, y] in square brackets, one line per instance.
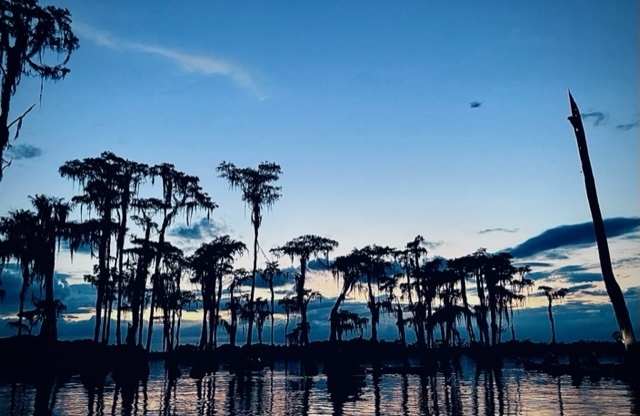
[553, 325]
[23, 292]
[613, 289]
[304, 329]
[203, 333]
[272, 307]
[253, 282]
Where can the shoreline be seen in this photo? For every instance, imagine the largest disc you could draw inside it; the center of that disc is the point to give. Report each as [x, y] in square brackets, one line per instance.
[29, 358]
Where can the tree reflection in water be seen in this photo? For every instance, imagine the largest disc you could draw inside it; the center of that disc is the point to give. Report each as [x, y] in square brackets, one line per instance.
[560, 403]
[345, 387]
[94, 387]
[448, 392]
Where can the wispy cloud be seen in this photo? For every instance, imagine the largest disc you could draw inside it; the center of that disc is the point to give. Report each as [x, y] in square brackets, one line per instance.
[628, 126]
[500, 229]
[598, 116]
[203, 64]
[24, 151]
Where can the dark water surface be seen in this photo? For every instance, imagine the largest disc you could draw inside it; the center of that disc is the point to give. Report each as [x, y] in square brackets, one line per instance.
[282, 391]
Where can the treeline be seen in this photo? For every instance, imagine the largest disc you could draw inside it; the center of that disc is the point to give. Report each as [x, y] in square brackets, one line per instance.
[142, 273]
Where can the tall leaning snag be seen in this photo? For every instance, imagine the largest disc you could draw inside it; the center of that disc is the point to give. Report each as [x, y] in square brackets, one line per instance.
[610, 283]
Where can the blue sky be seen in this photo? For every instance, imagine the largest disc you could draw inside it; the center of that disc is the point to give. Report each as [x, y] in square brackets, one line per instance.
[367, 106]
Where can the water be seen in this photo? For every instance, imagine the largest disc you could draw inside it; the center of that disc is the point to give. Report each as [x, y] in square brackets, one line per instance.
[510, 391]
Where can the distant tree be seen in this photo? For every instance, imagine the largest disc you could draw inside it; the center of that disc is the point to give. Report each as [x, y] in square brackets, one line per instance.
[375, 270]
[499, 273]
[51, 215]
[523, 284]
[235, 305]
[391, 304]
[350, 322]
[258, 192]
[210, 263]
[476, 264]
[268, 274]
[350, 267]
[141, 255]
[261, 311]
[18, 241]
[290, 306]
[552, 294]
[304, 247]
[98, 177]
[458, 266]
[181, 194]
[410, 258]
[29, 34]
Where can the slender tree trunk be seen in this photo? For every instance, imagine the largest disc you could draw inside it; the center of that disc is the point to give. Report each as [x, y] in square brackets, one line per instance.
[179, 313]
[138, 292]
[272, 307]
[400, 325]
[216, 312]
[253, 282]
[126, 196]
[286, 329]
[23, 293]
[553, 325]
[142, 305]
[334, 322]
[613, 289]
[152, 308]
[205, 308]
[48, 329]
[108, 322]
[373, 310]
[304, 328]
[465, 302]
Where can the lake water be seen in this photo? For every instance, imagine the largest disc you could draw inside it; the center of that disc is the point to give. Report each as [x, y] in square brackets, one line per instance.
[283, 391]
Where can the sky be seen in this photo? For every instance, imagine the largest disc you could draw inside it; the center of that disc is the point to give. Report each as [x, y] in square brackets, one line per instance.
[447, 120]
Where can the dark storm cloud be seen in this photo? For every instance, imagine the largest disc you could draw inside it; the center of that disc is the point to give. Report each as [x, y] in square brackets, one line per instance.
[632, 292]
[475, 104]
[501, 230]
[77, 297]
[83, 249]
[318, 264]
[571, 236]
[596, 293]
[599, 117]
[280, 279]
[575, 273]
[533, 264]
[24, 151]
[433, 244]
[11, 284]
[203, 229]
[583, 277]
[580, 288]
[628, 126]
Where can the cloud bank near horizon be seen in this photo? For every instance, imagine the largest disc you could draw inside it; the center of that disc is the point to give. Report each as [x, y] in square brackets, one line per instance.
[572, 236]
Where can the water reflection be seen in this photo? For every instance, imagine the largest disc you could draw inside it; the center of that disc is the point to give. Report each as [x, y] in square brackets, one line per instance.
[454, 390]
